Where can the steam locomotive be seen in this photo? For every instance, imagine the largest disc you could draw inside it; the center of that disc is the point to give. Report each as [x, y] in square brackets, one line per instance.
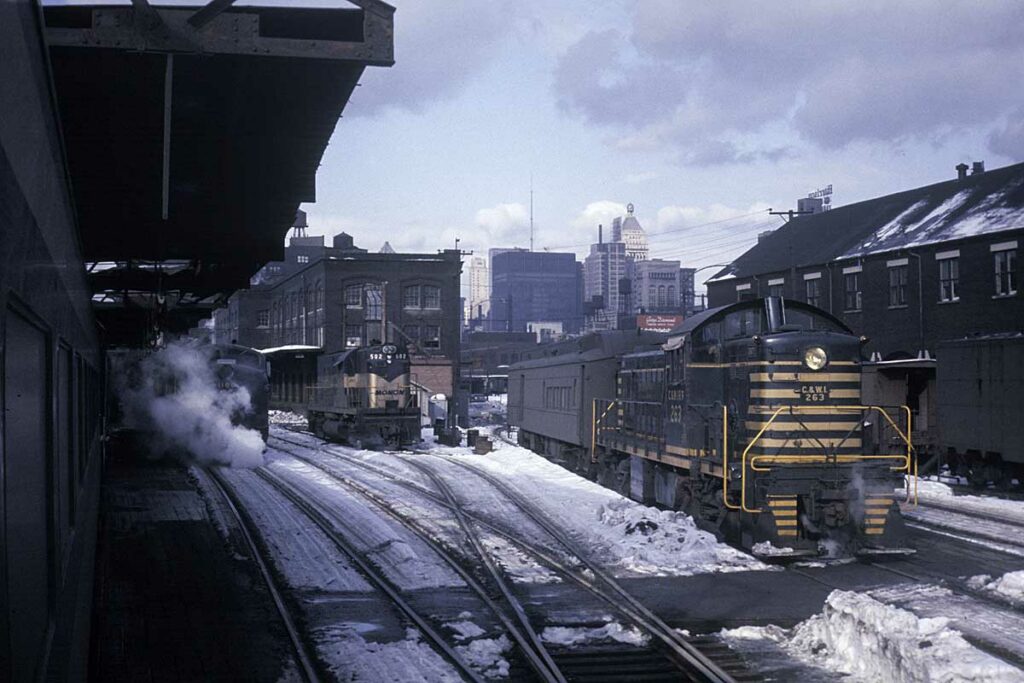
[364, 396]
[748, 417]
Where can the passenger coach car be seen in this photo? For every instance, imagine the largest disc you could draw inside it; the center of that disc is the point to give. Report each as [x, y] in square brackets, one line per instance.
[748, 417]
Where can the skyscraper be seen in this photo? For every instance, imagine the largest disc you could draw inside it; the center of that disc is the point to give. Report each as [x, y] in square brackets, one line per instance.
[627, 229]
[478, 296]
[604, 269]
[533, 286]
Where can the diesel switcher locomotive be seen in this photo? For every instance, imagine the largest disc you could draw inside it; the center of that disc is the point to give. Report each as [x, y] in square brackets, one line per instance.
[364, 394]
[748, 417]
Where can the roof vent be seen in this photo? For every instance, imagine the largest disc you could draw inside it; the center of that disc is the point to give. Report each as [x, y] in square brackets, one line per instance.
[961, 171]
[977, 168]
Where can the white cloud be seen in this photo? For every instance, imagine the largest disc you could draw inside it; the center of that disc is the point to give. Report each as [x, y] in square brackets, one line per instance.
[601, 212]
[640, 178]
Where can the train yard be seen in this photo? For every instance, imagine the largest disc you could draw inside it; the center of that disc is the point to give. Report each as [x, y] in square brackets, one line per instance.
[507, 567]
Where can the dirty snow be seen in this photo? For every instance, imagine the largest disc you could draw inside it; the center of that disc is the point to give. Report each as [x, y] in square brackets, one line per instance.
[572, 636]
[630, 538]
[405, 558]
[519, 567]
[766, 549]
[350, 657]
[302, 553]
[986, 623]
[287, 418]
[869, 641]
[486, 655]
[465, 629]
[1009, 586]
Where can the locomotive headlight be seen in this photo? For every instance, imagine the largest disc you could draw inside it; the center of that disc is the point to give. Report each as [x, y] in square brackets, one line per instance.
[815, 358]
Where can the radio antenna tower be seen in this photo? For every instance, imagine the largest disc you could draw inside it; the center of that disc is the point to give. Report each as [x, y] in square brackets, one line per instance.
[531, 212]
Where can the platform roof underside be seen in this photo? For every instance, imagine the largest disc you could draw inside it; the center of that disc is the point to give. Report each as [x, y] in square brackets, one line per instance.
[194, 133]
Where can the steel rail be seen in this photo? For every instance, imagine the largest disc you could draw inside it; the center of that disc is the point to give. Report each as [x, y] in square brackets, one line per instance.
[536, 663]
[700, 664]
[496, 573]
[305, 661]
[689, 657]
[323, 521]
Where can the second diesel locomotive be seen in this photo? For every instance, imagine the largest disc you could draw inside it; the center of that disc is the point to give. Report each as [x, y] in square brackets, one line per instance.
[748, 417]
[364, 395]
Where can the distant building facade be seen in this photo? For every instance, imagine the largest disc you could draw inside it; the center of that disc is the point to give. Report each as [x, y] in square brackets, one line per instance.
[478, 292]
[656, 286]
[605, 274]
[627, 229]
[533, 285]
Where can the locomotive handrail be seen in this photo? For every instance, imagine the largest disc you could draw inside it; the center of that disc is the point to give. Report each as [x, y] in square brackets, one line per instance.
[725, 459]
[593, 425]
[906, 467]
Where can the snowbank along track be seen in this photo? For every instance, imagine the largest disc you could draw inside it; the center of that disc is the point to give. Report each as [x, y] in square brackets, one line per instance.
[711, 661]
[303, 658]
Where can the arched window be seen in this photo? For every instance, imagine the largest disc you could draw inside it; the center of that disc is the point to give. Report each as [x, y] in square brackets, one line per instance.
[672, 296]
[431, 296]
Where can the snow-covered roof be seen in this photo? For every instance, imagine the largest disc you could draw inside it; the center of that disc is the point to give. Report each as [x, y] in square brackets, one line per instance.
[980, 204]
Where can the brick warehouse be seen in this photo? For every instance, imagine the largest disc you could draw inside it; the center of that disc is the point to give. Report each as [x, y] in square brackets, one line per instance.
[907, 270]
[333, 298]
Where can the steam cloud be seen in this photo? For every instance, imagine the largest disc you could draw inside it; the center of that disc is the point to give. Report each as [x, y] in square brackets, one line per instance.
[173, 395]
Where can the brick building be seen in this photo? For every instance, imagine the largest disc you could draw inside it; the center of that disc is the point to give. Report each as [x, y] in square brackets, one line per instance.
[339, 297]
[906, 270]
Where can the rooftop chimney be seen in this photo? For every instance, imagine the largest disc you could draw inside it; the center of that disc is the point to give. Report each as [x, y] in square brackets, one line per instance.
[600, 234]
[977, 168]
[961, 171]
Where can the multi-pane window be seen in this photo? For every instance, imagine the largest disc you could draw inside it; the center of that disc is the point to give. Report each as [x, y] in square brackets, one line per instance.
[898, 286]
[353, 336]
[776, 289]
[431, 296]
[374, 302]
[1006, 272]
[852, 290]
[263, 318]
[431, 337]
[354, 296]
[813, 291]
[949, 279]
[302, 258]
[411, 297]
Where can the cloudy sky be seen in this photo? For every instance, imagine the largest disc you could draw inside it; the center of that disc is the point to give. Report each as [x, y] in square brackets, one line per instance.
[701, 114]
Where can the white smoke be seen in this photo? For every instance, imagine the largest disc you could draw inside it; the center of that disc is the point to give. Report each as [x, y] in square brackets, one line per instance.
[172, 395]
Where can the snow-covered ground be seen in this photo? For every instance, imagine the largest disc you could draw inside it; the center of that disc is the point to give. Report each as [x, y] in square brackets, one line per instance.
[1009, 587]
[865, 640]
[940, 495]
[287, 418]
[352, 658]
[489, 412]
[629, 538]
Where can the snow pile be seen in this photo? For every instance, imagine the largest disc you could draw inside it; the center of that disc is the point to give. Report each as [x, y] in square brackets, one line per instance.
[659, 542]
[486, 655]
[570, 637]
[867, 640]
[766, 549]
[465, 629]
[287, 418]
[350, 657]
[632, 539]
[1009, 586]
[187, 404]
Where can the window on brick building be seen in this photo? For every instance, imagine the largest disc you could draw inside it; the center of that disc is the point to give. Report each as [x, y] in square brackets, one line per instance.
[302, 258]
[431, 296]
[353, 336]
[354, 296]
[1006, 271]
[898, 286]
[411, 297]
[263, 318]
[812, 290]
[852, 299]
[431, 337]
[949, 279]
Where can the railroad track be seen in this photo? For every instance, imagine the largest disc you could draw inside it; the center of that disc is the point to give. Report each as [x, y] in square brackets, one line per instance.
[302, 657]
[683, 658]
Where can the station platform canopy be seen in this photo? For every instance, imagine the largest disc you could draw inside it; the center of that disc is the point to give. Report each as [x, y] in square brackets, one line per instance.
[192, 136]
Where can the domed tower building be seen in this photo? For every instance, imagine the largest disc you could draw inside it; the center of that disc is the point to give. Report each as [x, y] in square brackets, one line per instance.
[627, 229]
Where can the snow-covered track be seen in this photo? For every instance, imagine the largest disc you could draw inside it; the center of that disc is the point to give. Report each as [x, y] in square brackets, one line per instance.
[302, 656]
[327, 523]
[527, 647]
[954, 514]
[694, 662]
[597, 583]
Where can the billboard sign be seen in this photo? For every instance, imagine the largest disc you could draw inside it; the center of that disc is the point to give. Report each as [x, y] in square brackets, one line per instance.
[658, 323]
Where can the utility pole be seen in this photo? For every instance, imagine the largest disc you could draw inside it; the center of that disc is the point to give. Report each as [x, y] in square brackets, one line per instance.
[789, 214]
